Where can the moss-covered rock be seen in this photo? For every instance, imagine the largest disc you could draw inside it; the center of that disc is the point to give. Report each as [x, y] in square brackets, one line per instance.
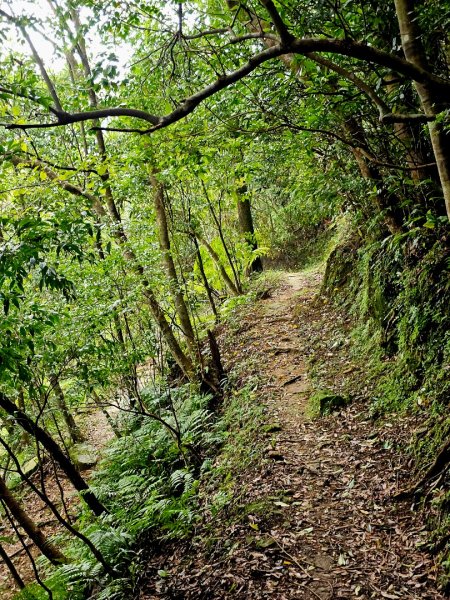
[84, 456]
[324, 402]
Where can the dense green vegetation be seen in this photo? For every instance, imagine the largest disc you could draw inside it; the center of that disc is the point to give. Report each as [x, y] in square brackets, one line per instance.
[154, 157]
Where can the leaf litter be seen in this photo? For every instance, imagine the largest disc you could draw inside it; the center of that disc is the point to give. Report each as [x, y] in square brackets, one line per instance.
[328, 526]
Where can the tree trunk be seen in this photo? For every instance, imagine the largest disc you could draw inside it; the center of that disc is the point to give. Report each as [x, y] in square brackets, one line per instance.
[11, 568]
[432, 102]
[183, 361]
[169, 265]
[246, 227]
[218, 223]
[48, 549]
[56, 452]
[387, 203]
[52, 506]
[72, 427]
[25, 437]
[408, 134]
[208, 289]
[226, 278]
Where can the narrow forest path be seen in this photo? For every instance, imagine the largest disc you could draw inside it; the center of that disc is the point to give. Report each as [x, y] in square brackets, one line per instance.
[314, 519]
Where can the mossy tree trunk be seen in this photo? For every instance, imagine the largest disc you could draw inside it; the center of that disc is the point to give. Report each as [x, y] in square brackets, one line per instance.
[246, 227]
[169, 264]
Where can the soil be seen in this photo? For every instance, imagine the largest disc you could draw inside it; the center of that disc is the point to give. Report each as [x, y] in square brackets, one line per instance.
[315, 517]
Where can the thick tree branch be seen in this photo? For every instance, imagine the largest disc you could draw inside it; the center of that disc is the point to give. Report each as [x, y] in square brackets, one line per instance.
[407, 118]
[65, 118]
[367, 53]
[300, 46]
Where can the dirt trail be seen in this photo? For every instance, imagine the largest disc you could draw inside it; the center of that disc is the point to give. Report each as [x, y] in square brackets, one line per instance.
[315, 519]
[288, 369]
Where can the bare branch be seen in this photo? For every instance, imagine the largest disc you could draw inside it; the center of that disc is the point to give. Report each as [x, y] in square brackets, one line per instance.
[406, 118]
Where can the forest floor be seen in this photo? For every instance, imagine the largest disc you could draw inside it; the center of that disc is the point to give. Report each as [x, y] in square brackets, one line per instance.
[313, 517]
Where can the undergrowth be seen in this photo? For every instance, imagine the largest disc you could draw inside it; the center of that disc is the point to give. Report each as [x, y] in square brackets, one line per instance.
[148, 479]
[157, 479]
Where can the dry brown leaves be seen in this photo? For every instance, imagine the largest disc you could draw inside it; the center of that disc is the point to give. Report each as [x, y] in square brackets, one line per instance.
[324, 525]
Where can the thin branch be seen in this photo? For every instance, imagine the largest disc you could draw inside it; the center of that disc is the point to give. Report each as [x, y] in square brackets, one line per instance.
[62, 167]
[12, 92]
[362, 85]
[252, 36]
[37, 58]
[203, 34]
[69, 187]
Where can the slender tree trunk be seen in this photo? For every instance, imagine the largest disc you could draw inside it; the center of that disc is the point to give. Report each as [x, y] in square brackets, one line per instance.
[131, 383]
[386, 202]
[222, 238]
[56, 452]
[72, 427]
[246, 226]
[48, 549]
[432, 102]
[11, 568]
[169, 265]
[217, 371]
[223, 273]
[183, 361]
[181, 358]
[52, 506]
[408, 134]
[208, 289]
[25, 437]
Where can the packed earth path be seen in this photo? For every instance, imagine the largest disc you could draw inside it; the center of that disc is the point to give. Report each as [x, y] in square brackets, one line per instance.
[315, 517]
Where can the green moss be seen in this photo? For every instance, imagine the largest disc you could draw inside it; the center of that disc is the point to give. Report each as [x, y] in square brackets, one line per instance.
[324, 402]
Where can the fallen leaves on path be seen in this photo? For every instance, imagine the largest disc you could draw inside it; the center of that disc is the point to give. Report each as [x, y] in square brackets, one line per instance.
[324, 523]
